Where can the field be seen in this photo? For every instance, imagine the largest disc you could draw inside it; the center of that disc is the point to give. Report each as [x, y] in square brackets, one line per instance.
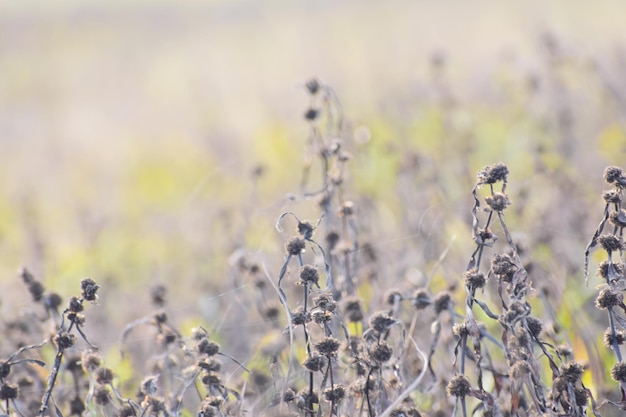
[308, 209]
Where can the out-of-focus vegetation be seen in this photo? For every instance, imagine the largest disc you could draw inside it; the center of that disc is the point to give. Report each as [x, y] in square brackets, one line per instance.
[150, 143]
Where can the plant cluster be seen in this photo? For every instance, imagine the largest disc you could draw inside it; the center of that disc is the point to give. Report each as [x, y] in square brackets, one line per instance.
[420, 349]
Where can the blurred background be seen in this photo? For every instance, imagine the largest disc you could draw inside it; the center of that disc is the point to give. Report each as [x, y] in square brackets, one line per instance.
[145, 142]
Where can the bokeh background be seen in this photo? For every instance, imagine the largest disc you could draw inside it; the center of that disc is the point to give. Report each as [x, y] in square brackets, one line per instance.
[147, 142]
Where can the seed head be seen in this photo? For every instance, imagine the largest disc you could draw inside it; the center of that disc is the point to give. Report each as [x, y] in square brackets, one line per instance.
[90, 361]
[611, 271]
[335, 394]
[207, 347]
[612, 196]
[64, 340]
[8, 391]
[534, 326]
[89, 289]
[493, 173]
[611, 243]
[502, 265]
[498, 201]
[309, 275]
[392, 296]
[102, 395]
[75, 305]
[314, 363]
[443, 302]
[618, 218]
[104, 376]
[305, 229]
[381, 322]
[326, 302]
[474, 279]
[311, 114]
[300, 317]
[459, 386]
[618, 373]
[608, 298]
[572, 371]
[313, 86]
[211, 379]
[610, 338]
[381, 353]
[52, 301]
[353, 310]
[295, 246]
[612, 174]
[210, 364]
[421, 299]
[328, 346]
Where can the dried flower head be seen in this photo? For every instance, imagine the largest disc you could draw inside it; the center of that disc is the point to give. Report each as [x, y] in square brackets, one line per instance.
[64, 340]
[421, 299]
[381, 322]
[8, 391]
[89, 289]
[443, 302]
[612, 196]
[90, 360]
[611, 339]
[102, 395]
[474, 279]
[75, 305]
[618, 218]
[309, 275]
[493, 173]
[498, 201]
[611, 271]
[300, 317]
[611, 243]
[459, 386]
[534, 326]
[612, 174]
[327, 346]
[392, 296]
[104, 376]
[305, 229]
[335, 394]
[572, 371]
[618, 373]
[381, 353]
[295, 246]
[326, 302]
[311, 114]
[207, 347]
[353, 310]
[314, 363]
[503, 265]
[608, 298]
[313, 86]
